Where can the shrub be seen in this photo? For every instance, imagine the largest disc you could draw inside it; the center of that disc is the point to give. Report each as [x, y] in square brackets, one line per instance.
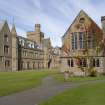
[93, 72]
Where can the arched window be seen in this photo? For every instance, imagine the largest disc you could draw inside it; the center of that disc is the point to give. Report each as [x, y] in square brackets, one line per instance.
[93, 62]
[80, 62]
[74, 41]
[84, 62]
[68, 62]
[82, 40]
[90, 40]
[97, 63]
[6, 49]
[6, 38]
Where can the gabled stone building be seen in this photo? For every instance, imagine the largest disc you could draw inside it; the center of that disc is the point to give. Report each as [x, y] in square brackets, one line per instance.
[19, 53]
[82, 40]
[5, 47]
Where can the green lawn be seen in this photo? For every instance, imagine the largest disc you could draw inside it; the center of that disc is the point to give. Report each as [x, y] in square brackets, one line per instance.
[91, 94]
[11, 82]
[60, 78]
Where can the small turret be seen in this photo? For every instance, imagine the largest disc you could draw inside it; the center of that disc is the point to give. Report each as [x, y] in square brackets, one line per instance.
[14, 49]
[13, 30]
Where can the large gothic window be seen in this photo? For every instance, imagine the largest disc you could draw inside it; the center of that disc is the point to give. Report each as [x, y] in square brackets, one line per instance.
[74, 41]
[97, 63]
[90, 40]
[93, 62]
[7, 63]
[82, 40]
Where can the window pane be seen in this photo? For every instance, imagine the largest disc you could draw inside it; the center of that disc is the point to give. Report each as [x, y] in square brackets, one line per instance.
[84, 63]
[81, 39]
[68, 63]
[97, 63]
[74, 41]
[72, 63]
[93, 62]
[6, 49]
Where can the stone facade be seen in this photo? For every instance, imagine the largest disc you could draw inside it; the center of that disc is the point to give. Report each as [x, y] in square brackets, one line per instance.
[5, 47]
[36, 35]
[56, 53]
[29, 56]
[18, 53]
[82, 40]
[14, 49]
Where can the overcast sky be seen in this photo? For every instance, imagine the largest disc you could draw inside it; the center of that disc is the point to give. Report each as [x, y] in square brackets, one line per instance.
[55, 16]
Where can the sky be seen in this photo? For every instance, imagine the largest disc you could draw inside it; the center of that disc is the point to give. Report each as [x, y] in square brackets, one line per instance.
[55, 16]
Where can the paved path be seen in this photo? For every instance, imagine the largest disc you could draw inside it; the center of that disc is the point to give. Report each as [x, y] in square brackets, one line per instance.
[33, 96]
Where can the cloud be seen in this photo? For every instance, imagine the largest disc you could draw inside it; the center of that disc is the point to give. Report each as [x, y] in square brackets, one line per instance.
[55, 16]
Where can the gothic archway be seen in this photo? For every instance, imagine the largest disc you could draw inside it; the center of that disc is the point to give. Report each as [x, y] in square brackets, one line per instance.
[49, 62]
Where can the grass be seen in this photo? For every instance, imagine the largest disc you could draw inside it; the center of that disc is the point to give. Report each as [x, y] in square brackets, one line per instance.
[11, 82]
[90, 94]
[60, 78]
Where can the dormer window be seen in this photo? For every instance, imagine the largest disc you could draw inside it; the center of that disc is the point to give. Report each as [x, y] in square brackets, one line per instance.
[32, 45]
[21, 42]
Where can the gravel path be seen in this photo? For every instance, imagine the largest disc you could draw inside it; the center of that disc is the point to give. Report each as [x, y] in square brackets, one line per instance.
[33, 96]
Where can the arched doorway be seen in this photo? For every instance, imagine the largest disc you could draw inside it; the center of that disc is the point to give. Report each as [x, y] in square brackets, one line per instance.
[49, 62]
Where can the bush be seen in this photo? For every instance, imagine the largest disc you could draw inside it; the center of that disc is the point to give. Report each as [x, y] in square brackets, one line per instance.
[93, 72]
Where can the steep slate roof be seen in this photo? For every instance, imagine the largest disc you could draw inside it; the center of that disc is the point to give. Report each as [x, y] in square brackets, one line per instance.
[77, 17]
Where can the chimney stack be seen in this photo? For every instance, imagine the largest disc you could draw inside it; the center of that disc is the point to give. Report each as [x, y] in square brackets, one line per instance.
[37, 28]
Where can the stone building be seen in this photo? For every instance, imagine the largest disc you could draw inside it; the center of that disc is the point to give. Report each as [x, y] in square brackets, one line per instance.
[47, 47]
[5, 47]
[83, 40]
[51, 55]
[36, 35]
[29, 55]
[19, 53]
[55, 56]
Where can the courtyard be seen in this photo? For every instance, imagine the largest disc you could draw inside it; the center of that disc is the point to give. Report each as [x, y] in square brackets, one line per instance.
[48, 87]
